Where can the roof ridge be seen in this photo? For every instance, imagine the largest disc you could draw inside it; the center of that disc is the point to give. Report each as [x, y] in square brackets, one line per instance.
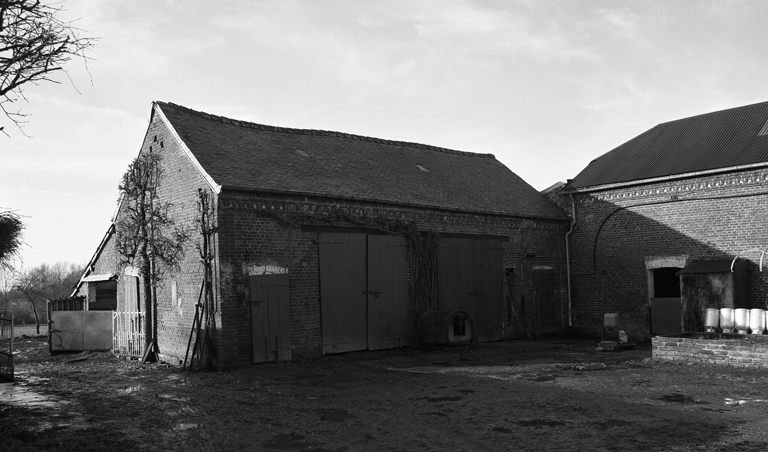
[712, 113]
[315, 132]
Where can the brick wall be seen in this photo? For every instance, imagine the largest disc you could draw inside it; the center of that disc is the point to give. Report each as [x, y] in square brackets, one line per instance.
[746, 352]
[619, 231]
[248, 237]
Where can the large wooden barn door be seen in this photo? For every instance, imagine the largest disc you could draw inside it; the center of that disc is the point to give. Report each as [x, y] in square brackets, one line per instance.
[343, 314]
[471, 280]
[387, 293]
[271, 325]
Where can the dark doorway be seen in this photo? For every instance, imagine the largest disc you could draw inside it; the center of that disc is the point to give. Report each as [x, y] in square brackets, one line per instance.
[666, 305]
[666, 282]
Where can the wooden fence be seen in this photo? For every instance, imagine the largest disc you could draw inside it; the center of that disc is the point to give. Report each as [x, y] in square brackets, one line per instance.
[128, 333]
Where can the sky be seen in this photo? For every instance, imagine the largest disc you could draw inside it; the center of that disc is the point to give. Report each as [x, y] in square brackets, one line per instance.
[545, 86]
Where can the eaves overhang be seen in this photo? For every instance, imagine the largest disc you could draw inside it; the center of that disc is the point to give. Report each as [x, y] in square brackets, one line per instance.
[652, 180]
[393, 203]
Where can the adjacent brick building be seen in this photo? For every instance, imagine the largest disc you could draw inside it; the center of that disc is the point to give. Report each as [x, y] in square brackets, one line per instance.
[660, 219]
[328, 242]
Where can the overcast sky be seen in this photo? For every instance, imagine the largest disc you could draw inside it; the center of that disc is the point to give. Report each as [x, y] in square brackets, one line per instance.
[545, 86]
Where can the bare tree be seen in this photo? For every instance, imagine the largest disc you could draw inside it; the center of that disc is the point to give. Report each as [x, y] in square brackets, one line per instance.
[11, 229]
[34, 44]
[146, 235]
[35, 286]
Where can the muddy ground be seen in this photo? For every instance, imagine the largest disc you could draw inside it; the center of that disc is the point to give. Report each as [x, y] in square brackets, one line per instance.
[525, 395]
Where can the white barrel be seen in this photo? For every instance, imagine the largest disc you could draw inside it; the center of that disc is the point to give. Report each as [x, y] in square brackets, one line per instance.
[712, 319]
[741, 317]
[757, 320]
[727, 320]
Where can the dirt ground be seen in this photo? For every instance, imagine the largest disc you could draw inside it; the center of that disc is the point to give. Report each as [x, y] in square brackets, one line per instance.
[525, 395]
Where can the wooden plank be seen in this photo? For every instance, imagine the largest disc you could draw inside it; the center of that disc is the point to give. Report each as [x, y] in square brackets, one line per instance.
[342, 292]
[387, 293]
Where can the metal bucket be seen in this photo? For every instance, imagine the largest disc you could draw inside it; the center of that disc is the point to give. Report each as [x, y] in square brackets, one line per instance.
[757, 321]
[727, 320]
[741, 317]
[711, 320]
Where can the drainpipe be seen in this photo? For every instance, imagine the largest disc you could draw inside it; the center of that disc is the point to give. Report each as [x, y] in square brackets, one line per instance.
[568, 259]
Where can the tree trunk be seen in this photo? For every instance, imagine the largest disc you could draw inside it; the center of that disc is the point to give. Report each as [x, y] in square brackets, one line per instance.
[148, 314]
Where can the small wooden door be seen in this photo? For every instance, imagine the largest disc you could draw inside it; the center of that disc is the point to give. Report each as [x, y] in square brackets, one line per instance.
[387, 295]
[271, 317]
[343, 292]
[544, 298]
[470, 277]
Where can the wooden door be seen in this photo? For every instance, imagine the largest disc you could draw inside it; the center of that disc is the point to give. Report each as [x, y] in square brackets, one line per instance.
[343, 315]
[666, 316]
[387, 293]
[544, 298]
[470, 278]
[271, 317]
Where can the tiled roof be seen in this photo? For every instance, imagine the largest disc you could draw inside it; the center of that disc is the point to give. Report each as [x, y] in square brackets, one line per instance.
[731, 138]
[248, 156]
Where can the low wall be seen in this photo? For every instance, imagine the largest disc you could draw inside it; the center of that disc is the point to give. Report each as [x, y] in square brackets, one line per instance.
[737, 350]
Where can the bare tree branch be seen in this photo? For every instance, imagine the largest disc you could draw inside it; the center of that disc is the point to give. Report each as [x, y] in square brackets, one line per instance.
[34, 43]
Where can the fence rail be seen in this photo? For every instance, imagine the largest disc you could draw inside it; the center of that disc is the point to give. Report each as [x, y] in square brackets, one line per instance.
[128, 333]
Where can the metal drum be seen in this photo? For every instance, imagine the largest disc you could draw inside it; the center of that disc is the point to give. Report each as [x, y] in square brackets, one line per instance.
[711, 320]
[757, 320]
[741, 317]
[726, 320]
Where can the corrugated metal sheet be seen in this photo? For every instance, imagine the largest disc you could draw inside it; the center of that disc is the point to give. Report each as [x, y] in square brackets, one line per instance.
[722, 139]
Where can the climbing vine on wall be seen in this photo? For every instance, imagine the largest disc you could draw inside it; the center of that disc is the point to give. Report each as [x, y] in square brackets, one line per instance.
[423, 245]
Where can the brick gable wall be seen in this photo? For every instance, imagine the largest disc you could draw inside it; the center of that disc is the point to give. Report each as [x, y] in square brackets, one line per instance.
[670, 219]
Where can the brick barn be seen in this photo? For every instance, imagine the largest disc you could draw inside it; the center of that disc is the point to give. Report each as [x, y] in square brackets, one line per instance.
[660, 219]
[328, 242]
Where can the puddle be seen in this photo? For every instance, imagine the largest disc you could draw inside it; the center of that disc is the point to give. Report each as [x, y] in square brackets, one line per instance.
[682, 399]
[18, 395]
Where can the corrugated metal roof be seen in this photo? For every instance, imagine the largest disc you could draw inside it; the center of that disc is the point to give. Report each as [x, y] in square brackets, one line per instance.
[710, 266]
[723, 139]
[249, 156]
